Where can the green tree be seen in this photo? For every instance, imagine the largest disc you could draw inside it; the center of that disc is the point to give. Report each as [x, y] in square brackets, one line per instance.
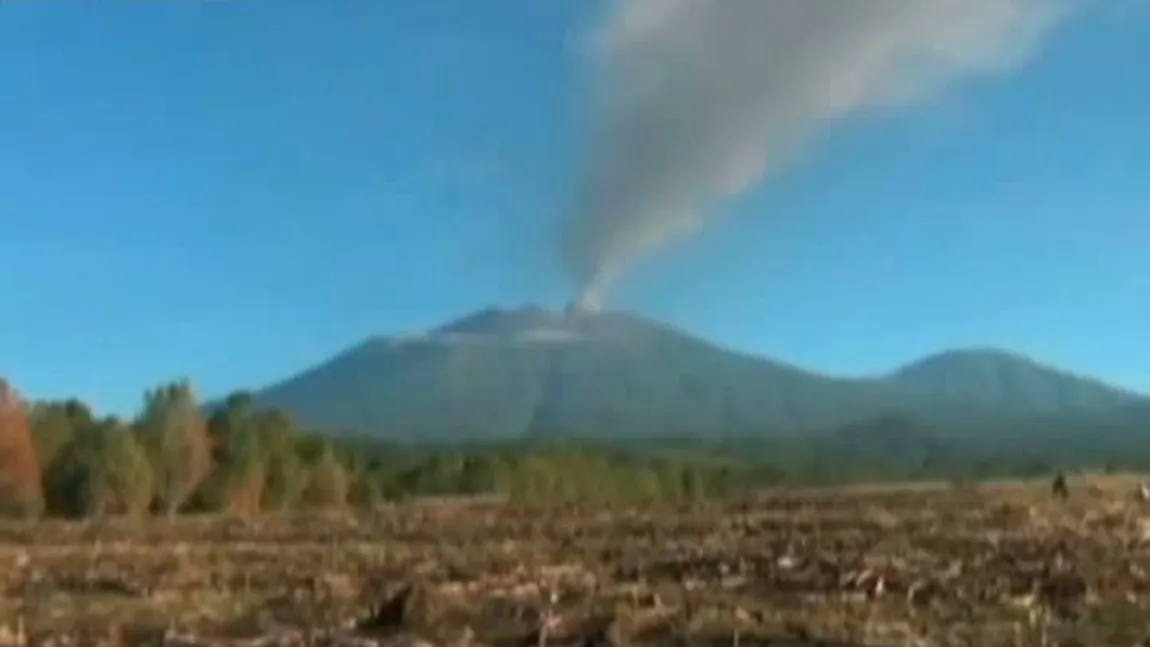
[328, 485]
[177, 438]
[368, 489]
[237, 482]
[106, 471]
[54, 425]
[284, 474]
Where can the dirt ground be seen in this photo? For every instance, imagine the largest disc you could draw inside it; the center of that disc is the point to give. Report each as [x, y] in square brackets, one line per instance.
[941, 565]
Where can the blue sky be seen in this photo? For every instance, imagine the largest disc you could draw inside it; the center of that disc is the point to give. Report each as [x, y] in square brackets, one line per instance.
[233, 191]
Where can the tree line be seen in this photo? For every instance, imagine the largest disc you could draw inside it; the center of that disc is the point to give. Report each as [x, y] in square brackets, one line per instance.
[59, 458]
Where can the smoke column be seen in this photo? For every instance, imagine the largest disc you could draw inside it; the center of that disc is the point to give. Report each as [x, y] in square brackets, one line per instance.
[697, 100]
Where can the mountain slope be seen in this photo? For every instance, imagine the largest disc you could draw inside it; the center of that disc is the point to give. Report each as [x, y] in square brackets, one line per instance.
[1004, 383]
[502, 374]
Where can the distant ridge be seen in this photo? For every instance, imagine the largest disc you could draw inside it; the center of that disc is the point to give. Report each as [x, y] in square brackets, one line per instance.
[500, 374]
[1006, 382]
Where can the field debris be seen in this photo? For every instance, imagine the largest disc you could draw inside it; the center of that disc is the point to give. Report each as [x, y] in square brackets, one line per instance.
[987, 566]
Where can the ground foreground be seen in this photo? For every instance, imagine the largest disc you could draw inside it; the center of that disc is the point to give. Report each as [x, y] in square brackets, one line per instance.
[916, 566]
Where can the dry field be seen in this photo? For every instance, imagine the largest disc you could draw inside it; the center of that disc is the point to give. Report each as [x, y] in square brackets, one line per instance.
[1003, 565]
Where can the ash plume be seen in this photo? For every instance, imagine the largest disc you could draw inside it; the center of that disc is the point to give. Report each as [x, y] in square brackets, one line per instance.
[697, 100]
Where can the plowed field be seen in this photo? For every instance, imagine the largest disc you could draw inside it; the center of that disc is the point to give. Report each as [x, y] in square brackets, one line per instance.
[1002, 565]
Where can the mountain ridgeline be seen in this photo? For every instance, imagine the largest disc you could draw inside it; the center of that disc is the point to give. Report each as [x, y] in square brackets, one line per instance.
[505, 375]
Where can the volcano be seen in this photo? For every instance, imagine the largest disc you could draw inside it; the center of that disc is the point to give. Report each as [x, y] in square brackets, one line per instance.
[504, 374]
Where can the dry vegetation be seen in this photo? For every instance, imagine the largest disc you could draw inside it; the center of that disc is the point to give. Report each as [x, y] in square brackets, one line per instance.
[1004, 565]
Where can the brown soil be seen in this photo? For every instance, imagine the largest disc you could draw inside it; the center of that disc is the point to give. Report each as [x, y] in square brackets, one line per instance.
[1005, 565]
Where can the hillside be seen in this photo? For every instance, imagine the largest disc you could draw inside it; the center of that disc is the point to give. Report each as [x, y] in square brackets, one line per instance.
[505, 374]
[1005, 383]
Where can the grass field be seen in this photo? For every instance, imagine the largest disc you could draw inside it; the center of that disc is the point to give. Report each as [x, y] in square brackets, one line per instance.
[923, 565]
